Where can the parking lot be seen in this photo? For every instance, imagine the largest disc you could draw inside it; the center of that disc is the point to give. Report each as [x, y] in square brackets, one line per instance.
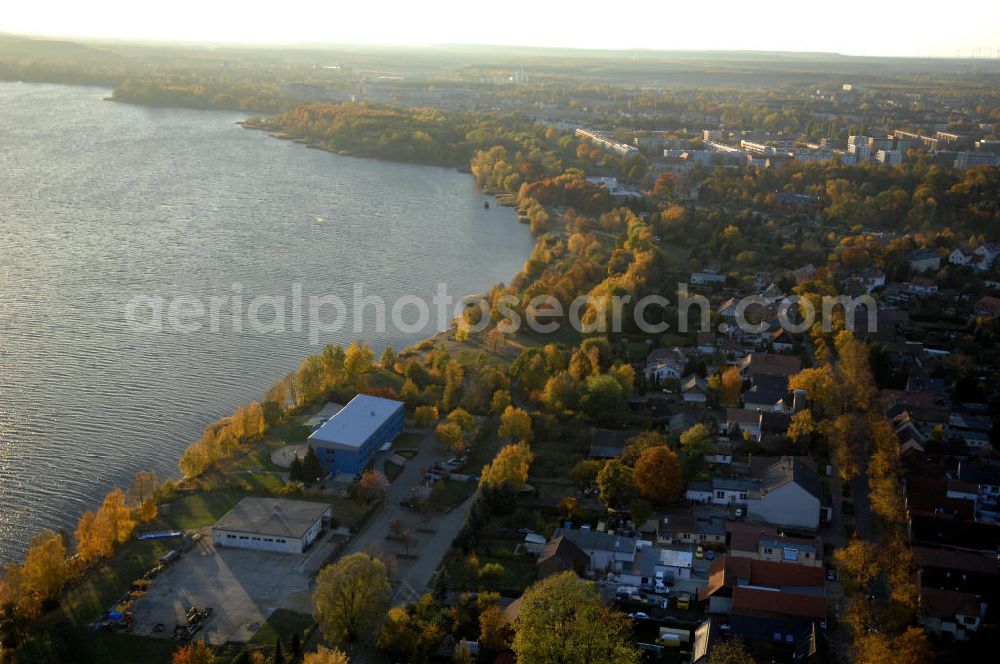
[242, 588]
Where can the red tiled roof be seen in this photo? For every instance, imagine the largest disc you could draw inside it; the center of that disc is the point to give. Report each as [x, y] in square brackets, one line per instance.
[728, 571]
[957, 560]
[947, 603]
[784, 603]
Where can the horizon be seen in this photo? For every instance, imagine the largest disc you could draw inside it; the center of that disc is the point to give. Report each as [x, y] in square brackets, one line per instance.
[732, 27]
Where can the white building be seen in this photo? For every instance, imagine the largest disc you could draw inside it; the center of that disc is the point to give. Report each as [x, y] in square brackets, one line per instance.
[270, 524]
[889, 157]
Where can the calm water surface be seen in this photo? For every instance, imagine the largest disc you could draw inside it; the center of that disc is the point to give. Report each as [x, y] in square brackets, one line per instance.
[103, 202]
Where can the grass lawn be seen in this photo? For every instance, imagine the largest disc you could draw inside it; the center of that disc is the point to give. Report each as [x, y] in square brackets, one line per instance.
[518, 572]
[282, 623]
[407, 441]
[392, 471]
[114, 648]
[446, 494]
[554, 459]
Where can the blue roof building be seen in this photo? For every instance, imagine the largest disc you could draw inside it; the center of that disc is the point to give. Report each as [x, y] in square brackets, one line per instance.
[346, 442]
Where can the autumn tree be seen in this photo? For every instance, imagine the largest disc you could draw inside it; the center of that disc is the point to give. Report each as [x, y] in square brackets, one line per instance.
[500, 401]
[371, 487]
[658, 475]
[351, 596]
[495, 632]
[859, 560]
[388, 358]
[449, 434]
[425, 416]
[144, 486]
[515, 425]
[326, 656]
[44, 572]
[563, 620]
[730, 386]
[194, 653]
[359, 359]
[729, 651]
[509, 466]
[412, 633]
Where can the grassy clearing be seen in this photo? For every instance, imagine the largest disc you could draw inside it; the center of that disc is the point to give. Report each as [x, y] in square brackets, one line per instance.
[115, 648]
[407, 441]
[447, 494]
[484, 447]
[392, 470]
[554, 459]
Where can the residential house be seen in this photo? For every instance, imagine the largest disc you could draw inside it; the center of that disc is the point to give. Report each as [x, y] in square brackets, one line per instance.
[950, 612]
[921, 286]
[925, 260]
[605, 552]
[872, 279]
[761, 587]
[665, 364]
[804, 273]
[782, 341]
[705, 343]
[691, 527]
[649, 560]
[769, 364]
[959, 256]
[694, 389]
[760, 542]
[706, 277]
[987, 307]
[765, 392]
[788, 495]
[719, 491]
[986, 255]
[742, 422]
[562, 555]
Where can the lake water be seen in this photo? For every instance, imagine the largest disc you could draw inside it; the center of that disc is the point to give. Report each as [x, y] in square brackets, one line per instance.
[102, 203]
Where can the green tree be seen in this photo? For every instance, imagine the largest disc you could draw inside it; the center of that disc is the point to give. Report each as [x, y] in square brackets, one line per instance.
[312, 468]
[563, 620]
[351, 597]
[696, 442]
[616, 484]
[603, 398]
[585, 472]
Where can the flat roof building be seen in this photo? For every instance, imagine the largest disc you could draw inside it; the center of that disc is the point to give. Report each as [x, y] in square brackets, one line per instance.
[346, 442]
[270, 524]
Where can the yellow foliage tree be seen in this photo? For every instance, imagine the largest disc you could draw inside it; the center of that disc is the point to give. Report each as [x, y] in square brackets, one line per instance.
[515, 424]
[510, 466]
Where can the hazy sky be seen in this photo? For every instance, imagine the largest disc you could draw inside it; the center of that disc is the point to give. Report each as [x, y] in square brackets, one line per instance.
[859, 27]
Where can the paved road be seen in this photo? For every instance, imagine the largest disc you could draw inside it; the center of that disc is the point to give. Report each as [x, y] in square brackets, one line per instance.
[414, 575]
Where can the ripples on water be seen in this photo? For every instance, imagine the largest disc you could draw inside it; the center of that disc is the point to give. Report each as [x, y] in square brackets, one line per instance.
[100, 202]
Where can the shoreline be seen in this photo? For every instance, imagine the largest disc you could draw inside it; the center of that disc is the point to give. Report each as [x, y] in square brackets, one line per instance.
[433, 338]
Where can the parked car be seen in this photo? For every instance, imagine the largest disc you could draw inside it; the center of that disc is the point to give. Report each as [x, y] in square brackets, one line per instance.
[710, 555]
